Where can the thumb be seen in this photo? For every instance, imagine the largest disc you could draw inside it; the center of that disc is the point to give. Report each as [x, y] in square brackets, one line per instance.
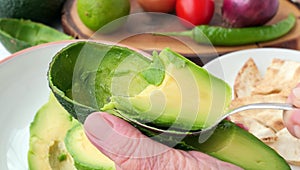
[120, 141]
[292, 122]
[292, 118]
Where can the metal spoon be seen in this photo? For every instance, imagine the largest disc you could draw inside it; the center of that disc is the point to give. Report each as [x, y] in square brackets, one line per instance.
[274, 106]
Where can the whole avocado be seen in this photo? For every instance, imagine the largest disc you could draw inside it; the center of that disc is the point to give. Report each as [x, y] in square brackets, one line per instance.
[36, 10]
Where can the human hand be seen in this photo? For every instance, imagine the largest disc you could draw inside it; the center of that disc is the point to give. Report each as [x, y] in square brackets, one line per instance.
[292, 118]
[130, 149]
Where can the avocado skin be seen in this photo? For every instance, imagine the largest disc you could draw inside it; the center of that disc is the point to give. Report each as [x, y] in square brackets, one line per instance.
[229, 143]
[18, 34]
[11, 44]
[60, 81]
[83, 72]
[242, 149]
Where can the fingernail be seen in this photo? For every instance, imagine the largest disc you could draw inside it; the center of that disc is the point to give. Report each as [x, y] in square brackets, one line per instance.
[297, 131]
[296, 92]
[97, 126]
[295, 117]
[107, 118]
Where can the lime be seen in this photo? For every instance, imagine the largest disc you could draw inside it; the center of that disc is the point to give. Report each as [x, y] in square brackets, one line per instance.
[97, 13]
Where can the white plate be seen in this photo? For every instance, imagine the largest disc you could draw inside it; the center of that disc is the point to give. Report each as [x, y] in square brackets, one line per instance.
[23, 90]
[227, 66]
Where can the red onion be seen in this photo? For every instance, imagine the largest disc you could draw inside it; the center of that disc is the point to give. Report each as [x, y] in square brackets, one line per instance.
[246, 13]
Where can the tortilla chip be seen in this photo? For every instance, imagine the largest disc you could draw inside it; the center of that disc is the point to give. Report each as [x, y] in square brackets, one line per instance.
[267, 125]
[246, 79]
[287, 146]
[259, 130]
[281, 76]
[269, 118]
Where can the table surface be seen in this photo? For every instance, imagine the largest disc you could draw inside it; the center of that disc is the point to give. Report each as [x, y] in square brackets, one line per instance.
[4, 53]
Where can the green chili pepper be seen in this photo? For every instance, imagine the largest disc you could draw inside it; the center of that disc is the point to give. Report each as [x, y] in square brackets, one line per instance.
[222, 36]
[18, 34]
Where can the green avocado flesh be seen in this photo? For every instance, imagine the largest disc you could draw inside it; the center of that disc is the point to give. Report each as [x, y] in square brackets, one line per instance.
[85, 155]
[183, 95]
[47, 132]
[57, 141]
[165, 91]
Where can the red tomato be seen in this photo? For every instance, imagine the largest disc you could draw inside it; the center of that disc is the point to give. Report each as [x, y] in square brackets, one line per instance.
[158, 5]
[197, 12]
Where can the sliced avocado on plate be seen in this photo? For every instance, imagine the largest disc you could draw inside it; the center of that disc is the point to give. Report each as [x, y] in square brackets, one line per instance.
[86, 156]
[47, 132]
[57, 140]
[88, 76]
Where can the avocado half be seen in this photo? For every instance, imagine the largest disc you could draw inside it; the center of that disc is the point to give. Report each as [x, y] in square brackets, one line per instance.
[166, 91]
[18, 34]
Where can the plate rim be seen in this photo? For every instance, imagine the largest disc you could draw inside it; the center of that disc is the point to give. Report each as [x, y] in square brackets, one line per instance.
[245, 51]
[33, 48]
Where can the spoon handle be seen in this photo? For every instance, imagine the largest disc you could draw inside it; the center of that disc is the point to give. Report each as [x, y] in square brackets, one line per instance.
[253, 106]
[274, 106]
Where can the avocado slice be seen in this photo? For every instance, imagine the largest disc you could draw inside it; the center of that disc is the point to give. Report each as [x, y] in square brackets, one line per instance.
[56, 141]
[86, 156]
[112, 78]
[227, 142]
[180, 94]
[233, 144]
[47, 131]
